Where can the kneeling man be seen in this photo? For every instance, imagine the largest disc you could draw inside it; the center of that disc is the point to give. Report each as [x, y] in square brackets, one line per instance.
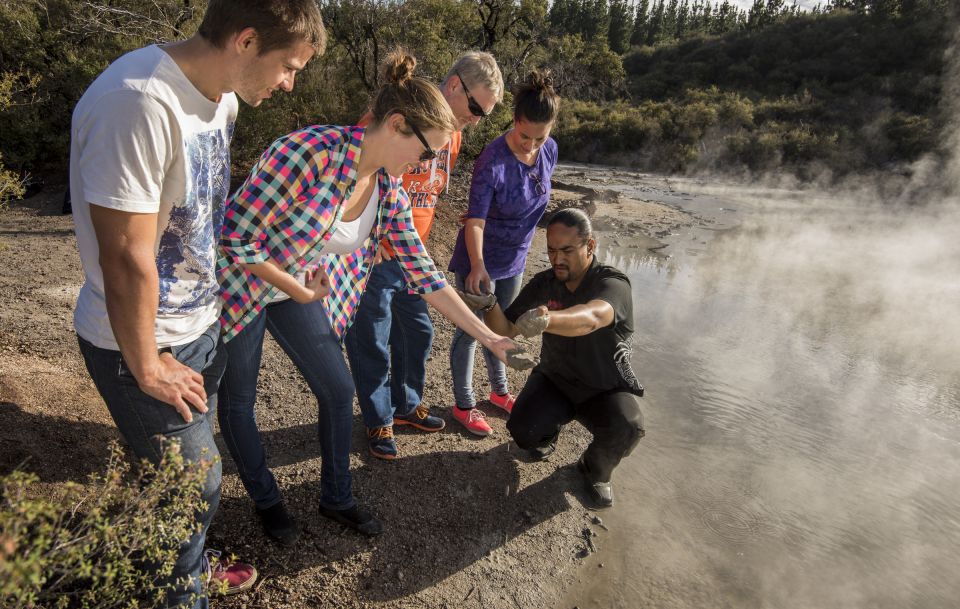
[585, 311]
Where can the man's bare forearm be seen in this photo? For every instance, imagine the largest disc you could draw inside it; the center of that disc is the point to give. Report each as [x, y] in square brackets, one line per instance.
[132, 291]
[580, 320]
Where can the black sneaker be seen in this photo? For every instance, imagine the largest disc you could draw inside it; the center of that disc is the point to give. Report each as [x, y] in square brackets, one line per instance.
[599, 493]
[279, 525]
[381, 443]
[421, 419]
[356, 518]
[542, 453]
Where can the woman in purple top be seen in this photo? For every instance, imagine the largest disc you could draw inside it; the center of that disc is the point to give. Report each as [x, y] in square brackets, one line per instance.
[509, 192]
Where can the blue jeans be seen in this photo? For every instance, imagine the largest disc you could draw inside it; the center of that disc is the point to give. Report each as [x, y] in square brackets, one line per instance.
[462, 348]
[305, 335]
[388, 345]
[144, 421]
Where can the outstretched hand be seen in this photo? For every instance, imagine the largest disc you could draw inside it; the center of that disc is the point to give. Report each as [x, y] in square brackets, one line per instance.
[513, 354]
[478, 302]
[533, 322]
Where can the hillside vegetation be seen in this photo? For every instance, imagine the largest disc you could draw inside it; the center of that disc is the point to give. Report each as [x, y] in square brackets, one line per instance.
[662, 85]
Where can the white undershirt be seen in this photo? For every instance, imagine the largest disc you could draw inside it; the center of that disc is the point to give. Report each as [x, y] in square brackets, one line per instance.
[348, 237]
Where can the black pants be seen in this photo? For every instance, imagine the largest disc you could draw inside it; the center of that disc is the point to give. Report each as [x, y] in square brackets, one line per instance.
[613, 418]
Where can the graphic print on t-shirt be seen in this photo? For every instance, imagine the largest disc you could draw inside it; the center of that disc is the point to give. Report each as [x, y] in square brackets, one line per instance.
[427, 181]
[186, 257]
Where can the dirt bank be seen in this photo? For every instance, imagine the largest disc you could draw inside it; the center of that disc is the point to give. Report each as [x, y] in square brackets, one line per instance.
[469, 522]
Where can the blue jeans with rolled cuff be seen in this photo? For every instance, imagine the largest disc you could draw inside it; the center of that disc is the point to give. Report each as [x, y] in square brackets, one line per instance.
[388, 345]
[145, 422]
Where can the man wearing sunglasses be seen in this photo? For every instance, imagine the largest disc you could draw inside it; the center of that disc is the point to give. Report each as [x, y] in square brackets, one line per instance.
[391, 335]
[584, 310]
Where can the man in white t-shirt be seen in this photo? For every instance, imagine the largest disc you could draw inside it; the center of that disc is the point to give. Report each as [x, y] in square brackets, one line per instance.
[149, 175]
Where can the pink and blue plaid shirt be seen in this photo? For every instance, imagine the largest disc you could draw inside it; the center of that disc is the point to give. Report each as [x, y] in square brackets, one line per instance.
[290, 206]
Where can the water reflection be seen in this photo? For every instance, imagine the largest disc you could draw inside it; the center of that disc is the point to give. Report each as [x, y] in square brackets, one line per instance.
[803, 414]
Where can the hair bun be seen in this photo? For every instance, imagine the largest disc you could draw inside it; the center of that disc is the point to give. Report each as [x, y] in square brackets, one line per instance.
[541, 79]
[398, 67]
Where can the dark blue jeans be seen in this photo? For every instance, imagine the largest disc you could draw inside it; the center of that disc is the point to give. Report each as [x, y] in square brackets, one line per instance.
[305, 335]
[463, 347]
[144, 421]
[388, 345]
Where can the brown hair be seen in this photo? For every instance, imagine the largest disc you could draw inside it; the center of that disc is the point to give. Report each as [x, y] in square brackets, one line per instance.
[279, 23]
[417, 99]
[535, 99]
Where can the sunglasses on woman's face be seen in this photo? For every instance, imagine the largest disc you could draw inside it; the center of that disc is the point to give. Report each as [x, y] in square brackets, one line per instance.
[429, 154]
[475, 108]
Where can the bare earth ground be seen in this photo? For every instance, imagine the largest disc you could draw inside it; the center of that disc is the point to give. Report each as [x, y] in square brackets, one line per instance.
[469, 522]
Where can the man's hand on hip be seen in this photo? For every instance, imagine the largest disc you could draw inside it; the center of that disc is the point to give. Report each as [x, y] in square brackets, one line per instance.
[175, 384]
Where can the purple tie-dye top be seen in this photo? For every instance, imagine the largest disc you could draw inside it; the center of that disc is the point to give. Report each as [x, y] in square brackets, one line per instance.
[511, 197]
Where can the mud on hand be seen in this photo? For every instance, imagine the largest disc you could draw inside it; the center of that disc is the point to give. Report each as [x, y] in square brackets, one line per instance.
[533, 322]
[521, 359]
[478, 302]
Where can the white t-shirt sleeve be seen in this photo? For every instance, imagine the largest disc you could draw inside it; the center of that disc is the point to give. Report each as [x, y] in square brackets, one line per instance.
[127, 149]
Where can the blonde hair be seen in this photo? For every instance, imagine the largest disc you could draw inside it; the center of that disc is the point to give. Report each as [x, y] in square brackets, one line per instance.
[417, 99]
[479, 69]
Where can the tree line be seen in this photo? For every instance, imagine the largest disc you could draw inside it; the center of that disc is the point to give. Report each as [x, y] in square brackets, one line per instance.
[666, 85]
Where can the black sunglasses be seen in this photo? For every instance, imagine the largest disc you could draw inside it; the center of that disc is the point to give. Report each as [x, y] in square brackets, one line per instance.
[475, 108]
[540, 188]
[429, 154]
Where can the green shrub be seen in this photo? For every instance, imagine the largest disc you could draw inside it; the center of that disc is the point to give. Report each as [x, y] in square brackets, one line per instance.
[11, 185]
[89, 545]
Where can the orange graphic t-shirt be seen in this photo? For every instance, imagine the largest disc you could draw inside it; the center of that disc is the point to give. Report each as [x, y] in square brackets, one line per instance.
[426, 183]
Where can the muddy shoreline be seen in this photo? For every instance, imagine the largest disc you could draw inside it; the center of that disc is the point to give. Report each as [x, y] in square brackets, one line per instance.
[469, 521]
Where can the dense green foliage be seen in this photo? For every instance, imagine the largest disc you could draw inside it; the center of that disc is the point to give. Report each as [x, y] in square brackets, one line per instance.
[839, 91]
[101, 545]
[670, 85]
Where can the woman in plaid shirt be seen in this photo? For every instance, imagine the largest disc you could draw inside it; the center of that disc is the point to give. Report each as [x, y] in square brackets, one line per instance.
[297, 243]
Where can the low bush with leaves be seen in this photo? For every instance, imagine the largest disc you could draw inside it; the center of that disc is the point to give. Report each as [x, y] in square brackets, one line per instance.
[11, 185]
[110, 543]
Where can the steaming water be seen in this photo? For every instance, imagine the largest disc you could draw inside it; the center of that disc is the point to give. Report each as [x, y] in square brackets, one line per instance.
[803, 409]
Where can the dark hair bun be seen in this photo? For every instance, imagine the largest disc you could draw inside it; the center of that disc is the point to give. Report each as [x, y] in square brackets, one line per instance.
[541, 79]
[535, 99]
[398, 67]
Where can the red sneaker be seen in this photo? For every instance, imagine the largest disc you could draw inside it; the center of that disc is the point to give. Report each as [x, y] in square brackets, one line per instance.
[473, 420]
[226, 576]
[504, 401]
